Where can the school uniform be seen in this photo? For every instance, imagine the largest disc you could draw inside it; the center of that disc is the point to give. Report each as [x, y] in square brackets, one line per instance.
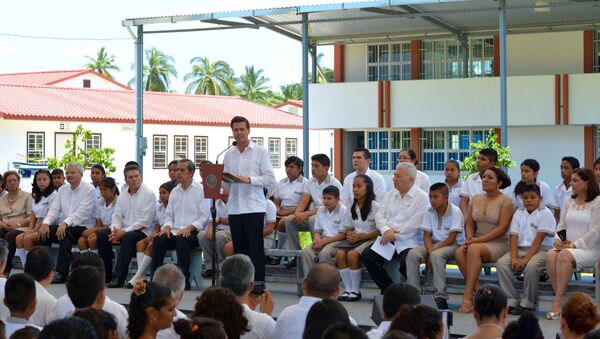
[440, 229]
[328, 224]
[526, 226]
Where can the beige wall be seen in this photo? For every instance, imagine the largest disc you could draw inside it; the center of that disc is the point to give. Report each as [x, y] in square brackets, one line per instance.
[355, 63]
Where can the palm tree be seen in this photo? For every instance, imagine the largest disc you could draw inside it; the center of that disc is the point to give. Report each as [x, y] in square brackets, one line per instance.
[210, 78]
[254, 85]
[103, 63]
[291, 91]
[157, 70]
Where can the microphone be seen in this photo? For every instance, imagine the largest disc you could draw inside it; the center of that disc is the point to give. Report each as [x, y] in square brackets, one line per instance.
[234, 143]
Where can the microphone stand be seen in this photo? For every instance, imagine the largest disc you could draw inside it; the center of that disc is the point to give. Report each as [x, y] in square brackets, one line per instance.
[213, 213]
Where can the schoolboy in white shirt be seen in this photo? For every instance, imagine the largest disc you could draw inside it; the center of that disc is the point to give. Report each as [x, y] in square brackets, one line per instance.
[531, 235]
[441, 225]
[327, 230]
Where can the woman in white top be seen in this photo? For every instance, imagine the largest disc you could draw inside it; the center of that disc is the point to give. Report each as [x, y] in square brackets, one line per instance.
[422, 180]
[490, 311]
[530, 169]
[43, 193]
[578, 248]
[453, 181]
[106, 205]
[359, 226]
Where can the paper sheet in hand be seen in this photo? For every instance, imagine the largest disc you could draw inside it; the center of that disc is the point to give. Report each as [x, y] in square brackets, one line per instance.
[386, 251]
[230, 178]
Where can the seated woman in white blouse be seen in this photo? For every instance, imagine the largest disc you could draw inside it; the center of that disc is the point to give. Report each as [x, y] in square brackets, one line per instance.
[580, 219]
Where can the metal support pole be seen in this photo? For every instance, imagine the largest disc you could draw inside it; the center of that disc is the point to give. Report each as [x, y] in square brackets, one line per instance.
[503, 106]
[464, 44]
[139, 98]
[315, 70]
[305, 111]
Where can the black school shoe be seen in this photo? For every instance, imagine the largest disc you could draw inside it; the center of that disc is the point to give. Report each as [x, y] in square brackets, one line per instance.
[441, 303]
[519, 310]
[353, 296]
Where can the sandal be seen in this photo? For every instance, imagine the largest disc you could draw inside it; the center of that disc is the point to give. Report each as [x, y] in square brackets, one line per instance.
[466, 307]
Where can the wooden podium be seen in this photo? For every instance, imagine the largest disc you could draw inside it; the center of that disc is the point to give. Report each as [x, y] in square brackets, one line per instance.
[212, 176]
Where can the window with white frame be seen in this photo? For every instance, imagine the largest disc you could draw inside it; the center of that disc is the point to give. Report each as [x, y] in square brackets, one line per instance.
[275, 152]
[385, 147]
[159, 155]
[388, 61]
[181, 147]
[443, 59]
[200, 149]
[95, 141]
[439, 146]
[35, 146]
[258, 141]
[291, 147]
[597, 51]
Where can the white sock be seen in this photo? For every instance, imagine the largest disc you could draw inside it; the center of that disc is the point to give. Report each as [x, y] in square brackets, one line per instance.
[142, 266]
[345, 275]
[22, 253]
[139, 256]
[94, 251]
[355, 277]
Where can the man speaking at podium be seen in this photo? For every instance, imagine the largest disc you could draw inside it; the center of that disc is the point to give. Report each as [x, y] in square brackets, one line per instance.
[252, 172]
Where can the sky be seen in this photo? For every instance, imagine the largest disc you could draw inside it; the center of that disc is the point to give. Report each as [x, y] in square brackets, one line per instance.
[280, 57]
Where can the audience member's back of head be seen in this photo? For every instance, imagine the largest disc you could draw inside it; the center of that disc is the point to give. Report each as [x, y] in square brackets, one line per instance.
[237, 272]
[396, 334]
[343, 330]
[580, 313]
[397, 295]
[27, 332]
[83, 285]
[321, 315]
[421, 321]
[39, 263]
[200, 328]
[527, 326]
[19, 292]
[88, 259]
[322, 281]
[222, 304]
[171, 276]
[489, 301]
[145, 295]
[68, 328]
[103, 322]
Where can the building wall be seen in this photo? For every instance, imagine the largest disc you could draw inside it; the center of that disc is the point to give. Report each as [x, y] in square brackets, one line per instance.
[96, 82]
[343, 105]
[355, 63]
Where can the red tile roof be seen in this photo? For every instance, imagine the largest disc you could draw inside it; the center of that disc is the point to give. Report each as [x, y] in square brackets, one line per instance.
[50, 77]
[30, 102]
[297, 103]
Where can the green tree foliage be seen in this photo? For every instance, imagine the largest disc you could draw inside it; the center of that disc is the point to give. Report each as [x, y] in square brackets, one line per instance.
[504, 154]
[253, 85]
[157, 71]
[77, 153]
[291, 91]
[210, 78]
[102, 63]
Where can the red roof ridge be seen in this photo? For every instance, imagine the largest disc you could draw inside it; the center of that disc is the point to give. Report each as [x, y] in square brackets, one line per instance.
[47, 72]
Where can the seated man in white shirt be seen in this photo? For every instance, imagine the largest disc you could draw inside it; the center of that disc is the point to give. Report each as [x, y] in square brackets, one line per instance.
[223, 236]
[39, 267]
[287, 194]
[237, 274]
[132, 221]
[20, 300]
[71, 213]
[394, 297]
[361, 158]
[186, 214]
[64, 307]
[323, 281]
[304, 218]
[172, 277]
[398, 219]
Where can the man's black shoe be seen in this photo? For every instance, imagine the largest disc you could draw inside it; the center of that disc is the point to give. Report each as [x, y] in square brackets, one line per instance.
[115, 283]
[291, 264]
[519, 310]
[208, 273]
[442, 304]
[59, 279]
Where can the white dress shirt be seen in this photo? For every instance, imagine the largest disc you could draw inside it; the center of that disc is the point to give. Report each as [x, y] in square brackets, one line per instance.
[378, 186]
[380, 331]
[254, 163]
[159, 214]
[4, 312]
[104, 213]
[527, 225]
[422, 181]
[262, 326]
[187, 207]
[135, 211]
[315, 190]
[472, 186]
[405, 215]
[327, 222]
[40, 209]
[45, 304]
[440, 228]
[12, 324]
[454, 196]
[78, 206]
[562, 194]
[289, 192]
[359, 225]
[169, 333]
[64, 308]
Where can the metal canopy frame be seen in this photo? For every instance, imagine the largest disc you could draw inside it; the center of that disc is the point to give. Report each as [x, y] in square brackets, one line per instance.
[373, 21]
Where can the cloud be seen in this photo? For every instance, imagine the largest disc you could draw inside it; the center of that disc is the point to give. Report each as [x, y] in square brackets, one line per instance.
[7, 49]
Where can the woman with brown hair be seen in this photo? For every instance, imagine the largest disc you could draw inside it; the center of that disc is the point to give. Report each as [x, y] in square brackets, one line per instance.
[221, 304]
[579, 315]
[577, 236]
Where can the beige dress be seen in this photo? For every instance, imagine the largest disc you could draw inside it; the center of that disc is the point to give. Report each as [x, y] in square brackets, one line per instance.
[486, 214]
[17, 212]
